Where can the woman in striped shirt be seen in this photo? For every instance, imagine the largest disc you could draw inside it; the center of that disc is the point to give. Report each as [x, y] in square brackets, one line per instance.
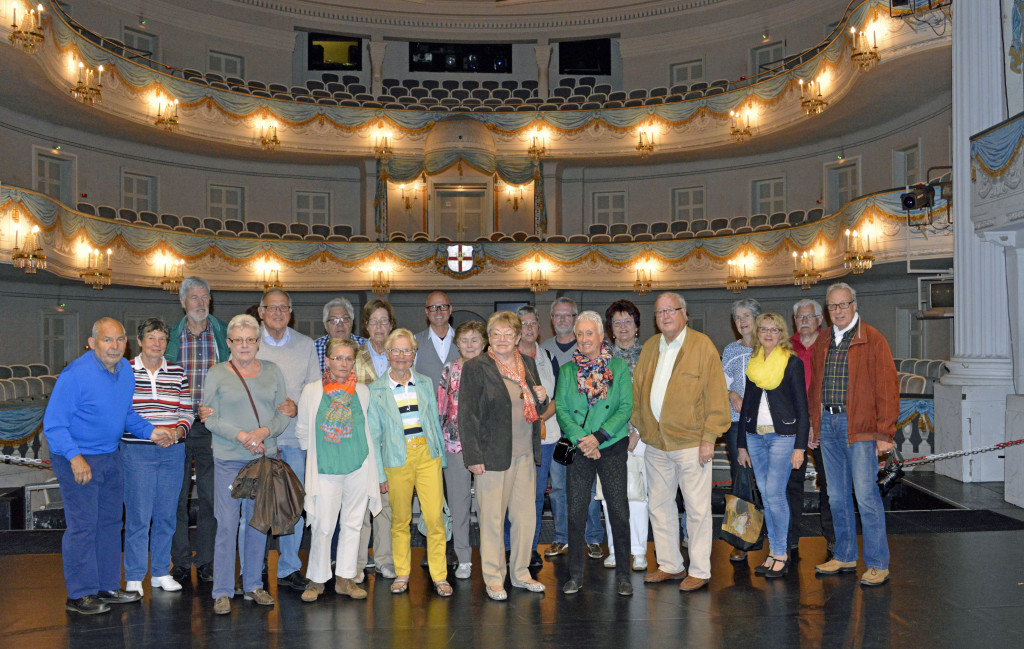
[152, 472]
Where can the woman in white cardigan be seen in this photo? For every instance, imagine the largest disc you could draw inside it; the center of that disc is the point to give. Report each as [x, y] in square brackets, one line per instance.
[341, 469]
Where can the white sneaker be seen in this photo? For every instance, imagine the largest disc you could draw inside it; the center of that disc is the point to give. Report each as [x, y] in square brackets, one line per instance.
[166, 582]
[463, 571]
[135, 587]
[609, 561]
[388, 573]
[639, 562]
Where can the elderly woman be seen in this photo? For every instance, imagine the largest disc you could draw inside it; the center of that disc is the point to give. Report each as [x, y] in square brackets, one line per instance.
[470, 338]
[243, 394]
[410, 452]
[594, 402]
[774, 425]
[341, 469]
[501, 401]
[734, 363]
[152, 471]
[622, 319]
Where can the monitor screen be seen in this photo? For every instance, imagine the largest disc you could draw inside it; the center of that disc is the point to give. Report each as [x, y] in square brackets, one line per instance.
[333, 52]
[593, 57]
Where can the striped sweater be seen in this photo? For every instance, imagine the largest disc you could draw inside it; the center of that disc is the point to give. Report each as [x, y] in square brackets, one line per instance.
[163, 399]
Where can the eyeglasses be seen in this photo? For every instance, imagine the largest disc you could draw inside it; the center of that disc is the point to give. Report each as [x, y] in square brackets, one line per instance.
[401, 352]
[530, 325]
[562, 316]
[433, 308]
[198, 298]
[768, 330]
[622, 323]
[502, 335]
[244, 341]
[840, 305]
[807, 318]
[338, 321]
[276, 308]
[666, 312]
[338, 359]
[379, 323]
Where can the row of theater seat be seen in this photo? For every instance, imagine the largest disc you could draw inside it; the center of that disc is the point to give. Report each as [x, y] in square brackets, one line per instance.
[25, 383]
[662, 230]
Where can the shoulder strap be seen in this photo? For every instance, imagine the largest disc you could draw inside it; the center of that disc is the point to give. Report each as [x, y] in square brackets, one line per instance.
[247, 393]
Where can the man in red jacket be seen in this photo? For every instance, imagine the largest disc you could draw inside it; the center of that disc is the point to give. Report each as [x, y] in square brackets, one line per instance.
[854, 403]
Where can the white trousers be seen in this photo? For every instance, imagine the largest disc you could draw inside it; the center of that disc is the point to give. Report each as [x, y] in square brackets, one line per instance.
[666, 472]
[341, 502]
[638, 517]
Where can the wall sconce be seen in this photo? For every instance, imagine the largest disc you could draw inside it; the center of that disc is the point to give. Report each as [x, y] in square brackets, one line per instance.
[865, 56]
[268, 136]
[740, 126]
[28, 36]
[514, 194]
[382, 144]
[812, 102]
[645, 144]
[380, 276]
[858, 257]
[172, 277]
[644, 277]
[538, 146]
[410, 193]
[96, 273]
[804, 274]
[738, 279]
[30, 258]
[85, 91]
[538, 275]
[271, 275]
[166, 113]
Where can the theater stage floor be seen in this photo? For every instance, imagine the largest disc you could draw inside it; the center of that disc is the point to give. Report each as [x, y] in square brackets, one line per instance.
[949, 588]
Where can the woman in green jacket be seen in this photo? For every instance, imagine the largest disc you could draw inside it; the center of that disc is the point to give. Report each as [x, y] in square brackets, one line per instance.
[594, 401]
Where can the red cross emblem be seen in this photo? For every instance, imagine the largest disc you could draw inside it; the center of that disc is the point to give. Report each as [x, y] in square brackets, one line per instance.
[460, 258]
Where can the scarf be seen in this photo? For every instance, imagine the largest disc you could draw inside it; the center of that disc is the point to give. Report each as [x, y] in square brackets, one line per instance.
[337, 423]
[516, 372]
[593, 376]
[767, 373]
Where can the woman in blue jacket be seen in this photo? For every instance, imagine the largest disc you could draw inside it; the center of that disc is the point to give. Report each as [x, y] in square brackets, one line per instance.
[593, 403]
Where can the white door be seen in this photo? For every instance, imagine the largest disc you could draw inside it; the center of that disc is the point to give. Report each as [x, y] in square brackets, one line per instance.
[460, 213]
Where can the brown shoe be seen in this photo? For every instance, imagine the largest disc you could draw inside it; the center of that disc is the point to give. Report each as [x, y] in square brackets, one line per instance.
[660, 575]
[874, 577]
[737, 555]
[835, 566]
[222, 606]
[348, 587]
[259, 596]
[692, 583]
[313, 590]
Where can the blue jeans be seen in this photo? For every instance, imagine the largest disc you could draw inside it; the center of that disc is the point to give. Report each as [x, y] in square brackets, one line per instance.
[557, 509]
[152, 483]
[91, 546]
[853, 468]
[288, 545]
[231, 512]
[770, 455]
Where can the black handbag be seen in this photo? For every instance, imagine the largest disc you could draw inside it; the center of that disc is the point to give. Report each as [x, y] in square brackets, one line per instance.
[891, 473]
[564, 451]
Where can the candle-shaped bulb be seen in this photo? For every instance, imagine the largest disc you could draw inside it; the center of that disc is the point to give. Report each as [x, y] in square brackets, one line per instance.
[108, 258]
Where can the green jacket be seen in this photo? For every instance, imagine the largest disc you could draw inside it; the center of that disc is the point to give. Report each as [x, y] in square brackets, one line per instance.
[609, 416]
[220, 335]
[385, 422]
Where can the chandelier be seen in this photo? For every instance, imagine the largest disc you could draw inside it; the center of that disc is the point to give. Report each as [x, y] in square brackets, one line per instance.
[27, 37]
[740, 128]
[645, 144]
[738, 279]
[538, 276]
[30, 258]
[171, 280]
[804, 274]
[866, 57]
[84, 90]
[382, 147]
[380, 277]
[166, 114]
[858, 256]
[95, 275]
[537, 146]
[812, 102]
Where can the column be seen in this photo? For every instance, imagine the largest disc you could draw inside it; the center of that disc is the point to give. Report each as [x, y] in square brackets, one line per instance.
[377, 49]
[970, 403]
[543, 61]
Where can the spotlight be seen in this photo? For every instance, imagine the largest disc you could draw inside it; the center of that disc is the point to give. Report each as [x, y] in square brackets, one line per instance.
[919, 197]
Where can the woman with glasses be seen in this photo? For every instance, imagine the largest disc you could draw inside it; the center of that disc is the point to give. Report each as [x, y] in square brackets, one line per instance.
[773, 430]
[403, 420]
[500, 406]
[734, 362]
[243, 394]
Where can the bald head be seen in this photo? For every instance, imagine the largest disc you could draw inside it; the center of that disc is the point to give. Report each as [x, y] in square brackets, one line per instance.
[108, 342]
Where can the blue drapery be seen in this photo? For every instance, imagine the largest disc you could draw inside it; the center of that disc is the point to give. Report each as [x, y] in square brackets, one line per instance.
[20, 424]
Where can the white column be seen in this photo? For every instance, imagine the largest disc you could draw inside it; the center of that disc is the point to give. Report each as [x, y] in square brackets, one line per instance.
[970, 403]
[543, 61]
[377, 49]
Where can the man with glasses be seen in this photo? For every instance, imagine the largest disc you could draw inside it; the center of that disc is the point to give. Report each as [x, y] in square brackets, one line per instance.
[807, 318]
[197, 343]
[681, 408]
[339, 316]
[854, 402]
[295, 355]
[436, 342]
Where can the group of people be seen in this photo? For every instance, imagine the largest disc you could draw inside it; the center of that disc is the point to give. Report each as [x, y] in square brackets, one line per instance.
[369, 423]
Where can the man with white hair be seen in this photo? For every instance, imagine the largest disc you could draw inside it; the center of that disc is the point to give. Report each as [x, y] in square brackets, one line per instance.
[197, 343]
[339, 317]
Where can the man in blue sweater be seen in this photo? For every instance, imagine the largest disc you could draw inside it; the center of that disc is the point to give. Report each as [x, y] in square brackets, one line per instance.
[89, 409]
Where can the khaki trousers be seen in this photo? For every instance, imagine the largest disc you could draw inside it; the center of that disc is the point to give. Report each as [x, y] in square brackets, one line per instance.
[509, 491]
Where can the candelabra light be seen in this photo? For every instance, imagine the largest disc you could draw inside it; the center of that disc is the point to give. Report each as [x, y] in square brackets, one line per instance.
[174, 272]
[538, 276]
[410, 193]
[268, 137]
[644, 277]
[645, 143]
[31, 257]
[514, 195]
[738, 279]
[84, 90]
[28, 36]
[380, 281]
[811, 101]
[96, 273]
[865, 56]
[858, 257]
[382, 147]
[804, 274]
[166, 114]
[740, 127]
[537, 146]
[271, 276]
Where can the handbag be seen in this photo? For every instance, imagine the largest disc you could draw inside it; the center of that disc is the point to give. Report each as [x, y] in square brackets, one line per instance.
[743, 523]
[565, 448]
[446, 515]
[891, 473]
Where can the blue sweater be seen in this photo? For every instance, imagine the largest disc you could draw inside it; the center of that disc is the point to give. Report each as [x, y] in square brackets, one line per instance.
[91, 407]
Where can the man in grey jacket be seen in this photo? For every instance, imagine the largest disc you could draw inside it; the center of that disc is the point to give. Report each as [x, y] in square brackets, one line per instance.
[437, 341]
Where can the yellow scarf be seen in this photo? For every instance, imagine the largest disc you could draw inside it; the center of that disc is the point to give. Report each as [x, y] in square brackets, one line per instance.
[767, 373]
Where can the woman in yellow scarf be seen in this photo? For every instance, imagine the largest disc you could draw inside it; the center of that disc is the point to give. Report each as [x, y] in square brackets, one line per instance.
[773, 430]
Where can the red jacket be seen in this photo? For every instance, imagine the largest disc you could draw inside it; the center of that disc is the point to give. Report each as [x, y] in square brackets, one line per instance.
[873, 394]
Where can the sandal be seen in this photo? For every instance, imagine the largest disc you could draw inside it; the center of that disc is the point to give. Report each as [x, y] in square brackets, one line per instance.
[443, 588]
[400, 585]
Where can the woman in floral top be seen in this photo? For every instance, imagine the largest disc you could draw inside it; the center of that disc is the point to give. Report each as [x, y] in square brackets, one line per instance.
[470, 338]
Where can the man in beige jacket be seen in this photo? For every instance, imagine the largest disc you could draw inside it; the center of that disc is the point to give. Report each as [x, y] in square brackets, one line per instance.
[680, 407]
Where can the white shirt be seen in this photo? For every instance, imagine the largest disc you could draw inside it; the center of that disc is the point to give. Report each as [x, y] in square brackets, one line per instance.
[667, 353]
[764, 414]
[274, 342]
[839, 333]
[442, 345]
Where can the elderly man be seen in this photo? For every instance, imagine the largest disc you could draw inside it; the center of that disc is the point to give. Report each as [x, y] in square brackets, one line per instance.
[854, 402]
[91, 406]
[681, 408]
[339, 317]
[197, 343]
[807, 318]
[295, 354]
[436, 343]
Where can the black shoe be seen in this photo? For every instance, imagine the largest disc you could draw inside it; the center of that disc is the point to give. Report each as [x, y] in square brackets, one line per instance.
[594, 551]
[205, 573]
[182, 574]
[118, 596]
[572, 587]
[536, 561]
[780, 568]
[88, 605]
[295, 581]
[625, 588]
